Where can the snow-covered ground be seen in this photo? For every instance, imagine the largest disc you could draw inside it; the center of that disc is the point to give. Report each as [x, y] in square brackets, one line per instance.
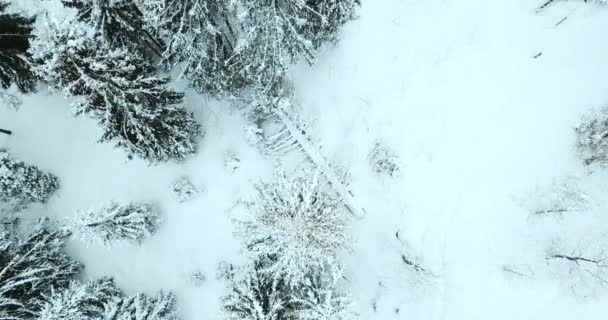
[454, 88]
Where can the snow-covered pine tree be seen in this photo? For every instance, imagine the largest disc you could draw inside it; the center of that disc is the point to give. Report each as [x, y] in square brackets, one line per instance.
[29, 268]
[327, 17]
[199, 36]
[81, 301]
[116, 86]
[129, 222]
[121, 22]
[593, 137]
[101, 300]
[320, 296]
[298, 223]
[22, 184]
[142, 307]
[15, 32]
[257, 295]
[277, 33]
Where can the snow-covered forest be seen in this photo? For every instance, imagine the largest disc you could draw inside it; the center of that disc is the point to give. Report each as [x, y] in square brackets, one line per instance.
[303, 159]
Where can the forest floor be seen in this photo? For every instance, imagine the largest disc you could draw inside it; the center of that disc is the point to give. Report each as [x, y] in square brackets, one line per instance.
[478, 98]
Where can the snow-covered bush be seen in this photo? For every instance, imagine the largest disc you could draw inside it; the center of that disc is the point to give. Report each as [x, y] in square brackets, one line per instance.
[593, 137]
[200, 38]
[583, 270]
[129, 222]
[29, 268]
[197, 278]
[383, 160]
[80, 301]
[116, 86]
[564, 196]
[231, 161]
[298, 223]
[14, 42]
[183, 189]
[22, 184]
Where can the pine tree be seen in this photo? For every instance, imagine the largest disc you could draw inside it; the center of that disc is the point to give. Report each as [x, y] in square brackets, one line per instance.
[200, 37]
[319, 296]
[14, 42]
[142, 307]
[297, 223]
[80, 301]
[278, 33]
[116, 86]
[101, 300]
[257, 295]
[30, 268]
[129, 222]
[22, 184]
[118, 21]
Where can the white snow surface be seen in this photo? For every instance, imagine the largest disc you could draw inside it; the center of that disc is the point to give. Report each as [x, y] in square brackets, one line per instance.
[454, 89]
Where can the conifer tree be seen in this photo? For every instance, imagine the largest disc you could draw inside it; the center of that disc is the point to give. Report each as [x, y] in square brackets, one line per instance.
[29, 268]
[142, 307]
[319, 296]
[297, 223]
[199, 36]
[116, 86]
[278, 33]
[256, 295]
[80, 301]
[14, 42]
[101, 300]
[121, 22]
[22, 184]
[129, 222]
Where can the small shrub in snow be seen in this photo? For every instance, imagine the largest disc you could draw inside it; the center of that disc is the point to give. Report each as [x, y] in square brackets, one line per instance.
[197, 278]
[253, 134]
[29, 268]
[564, 196]
[584, 270]
[593, 138]
[383, 160]
[298, 223]
[118, 222]
[22, 184]
[183, 189]
[231, 161]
